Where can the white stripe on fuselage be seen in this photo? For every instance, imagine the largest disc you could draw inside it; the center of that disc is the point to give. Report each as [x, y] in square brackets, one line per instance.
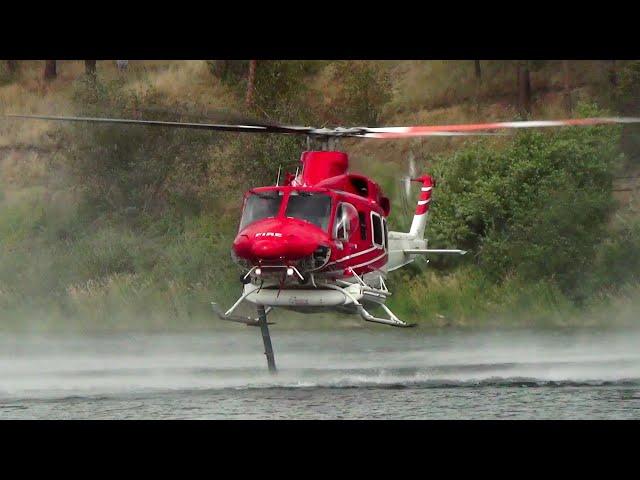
[370, 261]
[348, 257]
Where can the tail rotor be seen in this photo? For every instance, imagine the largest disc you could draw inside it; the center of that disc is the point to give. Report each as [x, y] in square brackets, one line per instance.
[408, 198]
[405, 190]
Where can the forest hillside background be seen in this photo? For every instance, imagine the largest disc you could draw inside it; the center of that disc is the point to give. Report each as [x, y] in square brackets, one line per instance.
[129, 227]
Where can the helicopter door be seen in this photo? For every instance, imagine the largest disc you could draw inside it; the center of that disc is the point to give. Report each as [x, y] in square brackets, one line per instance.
[379, 231]
[385, 230]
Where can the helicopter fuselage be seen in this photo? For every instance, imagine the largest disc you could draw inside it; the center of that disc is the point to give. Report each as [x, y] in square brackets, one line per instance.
[323, 222]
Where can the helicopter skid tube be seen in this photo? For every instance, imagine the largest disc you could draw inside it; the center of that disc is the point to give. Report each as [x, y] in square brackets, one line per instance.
[331, 296]
[316, 297]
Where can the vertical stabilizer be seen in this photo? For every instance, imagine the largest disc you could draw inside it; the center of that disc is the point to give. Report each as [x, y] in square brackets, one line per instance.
[420, 217]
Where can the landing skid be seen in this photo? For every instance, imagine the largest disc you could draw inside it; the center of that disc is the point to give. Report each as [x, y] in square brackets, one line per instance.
[392, 320]
[371, 294]
[228, 317]
[376, 295]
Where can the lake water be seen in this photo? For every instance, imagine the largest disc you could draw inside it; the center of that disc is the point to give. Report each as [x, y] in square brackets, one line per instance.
[369, 373]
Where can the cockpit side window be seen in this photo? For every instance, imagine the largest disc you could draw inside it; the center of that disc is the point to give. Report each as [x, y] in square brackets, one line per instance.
[363, 225]
[377, 229]
[385, 229]
[341, 229]
[346, 222]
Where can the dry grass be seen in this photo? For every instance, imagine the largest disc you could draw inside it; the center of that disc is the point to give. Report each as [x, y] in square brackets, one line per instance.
[445, 92]
[437, 83]
[20, 169]
[185, 83]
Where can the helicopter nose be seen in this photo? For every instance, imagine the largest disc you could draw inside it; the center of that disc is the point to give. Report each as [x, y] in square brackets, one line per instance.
[278, 240]
[290, 247]
[269, 248]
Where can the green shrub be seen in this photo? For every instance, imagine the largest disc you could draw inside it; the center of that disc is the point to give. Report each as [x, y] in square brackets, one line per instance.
[281, 90]
[537, 208]
[364, 89]
[468, 297]
[129, 170]
[618, 256]
[627, 102]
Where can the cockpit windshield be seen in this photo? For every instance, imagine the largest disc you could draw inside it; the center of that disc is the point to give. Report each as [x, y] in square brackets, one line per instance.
[314, 208]
[259, 206]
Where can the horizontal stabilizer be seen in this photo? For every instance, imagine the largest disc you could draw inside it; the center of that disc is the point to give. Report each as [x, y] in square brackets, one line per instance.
[424, 251]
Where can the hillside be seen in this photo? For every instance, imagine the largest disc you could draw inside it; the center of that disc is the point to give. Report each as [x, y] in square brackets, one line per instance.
[129, 228]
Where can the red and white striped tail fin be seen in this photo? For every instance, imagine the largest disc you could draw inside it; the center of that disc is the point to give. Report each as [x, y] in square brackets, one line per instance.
[424, 202]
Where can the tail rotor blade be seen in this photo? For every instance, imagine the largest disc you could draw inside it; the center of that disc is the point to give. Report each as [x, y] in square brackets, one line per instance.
[412, 174]
[412, 165]
[405, 191]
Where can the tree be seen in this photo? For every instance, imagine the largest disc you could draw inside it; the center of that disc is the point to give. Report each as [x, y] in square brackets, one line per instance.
[12, 66]
[233, 72]
[50, 70]
[567, 85]
[626, 100]
[90, 68]
[363, 88]
[524, 87]
[478, 75]
[538, 207]
[478, 70]
[613, 73]
[220, 68]
[251, 83]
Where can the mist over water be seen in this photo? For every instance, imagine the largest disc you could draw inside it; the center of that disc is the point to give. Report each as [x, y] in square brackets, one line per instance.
[373, 372]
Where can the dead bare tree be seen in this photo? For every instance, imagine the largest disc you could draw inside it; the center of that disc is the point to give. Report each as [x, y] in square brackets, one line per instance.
[567, 85]
[524, 87]
[221, 68]
[478, 75]
[90, 68]
[478, 70]
[50, 69]
[613, 73]
[251, 83]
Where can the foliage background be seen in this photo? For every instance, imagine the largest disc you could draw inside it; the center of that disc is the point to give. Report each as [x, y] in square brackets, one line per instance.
[129, 227]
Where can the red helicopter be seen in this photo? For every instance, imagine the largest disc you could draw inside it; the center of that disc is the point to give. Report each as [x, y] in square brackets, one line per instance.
[318, 239]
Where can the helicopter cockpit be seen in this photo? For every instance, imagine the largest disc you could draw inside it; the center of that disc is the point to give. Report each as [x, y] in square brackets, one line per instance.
[312, 207]
[261, 205]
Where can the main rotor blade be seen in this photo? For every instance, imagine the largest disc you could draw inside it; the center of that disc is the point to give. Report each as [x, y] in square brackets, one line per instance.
[428, 130]
[401, 132]
[188, 125]
[356, 132]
